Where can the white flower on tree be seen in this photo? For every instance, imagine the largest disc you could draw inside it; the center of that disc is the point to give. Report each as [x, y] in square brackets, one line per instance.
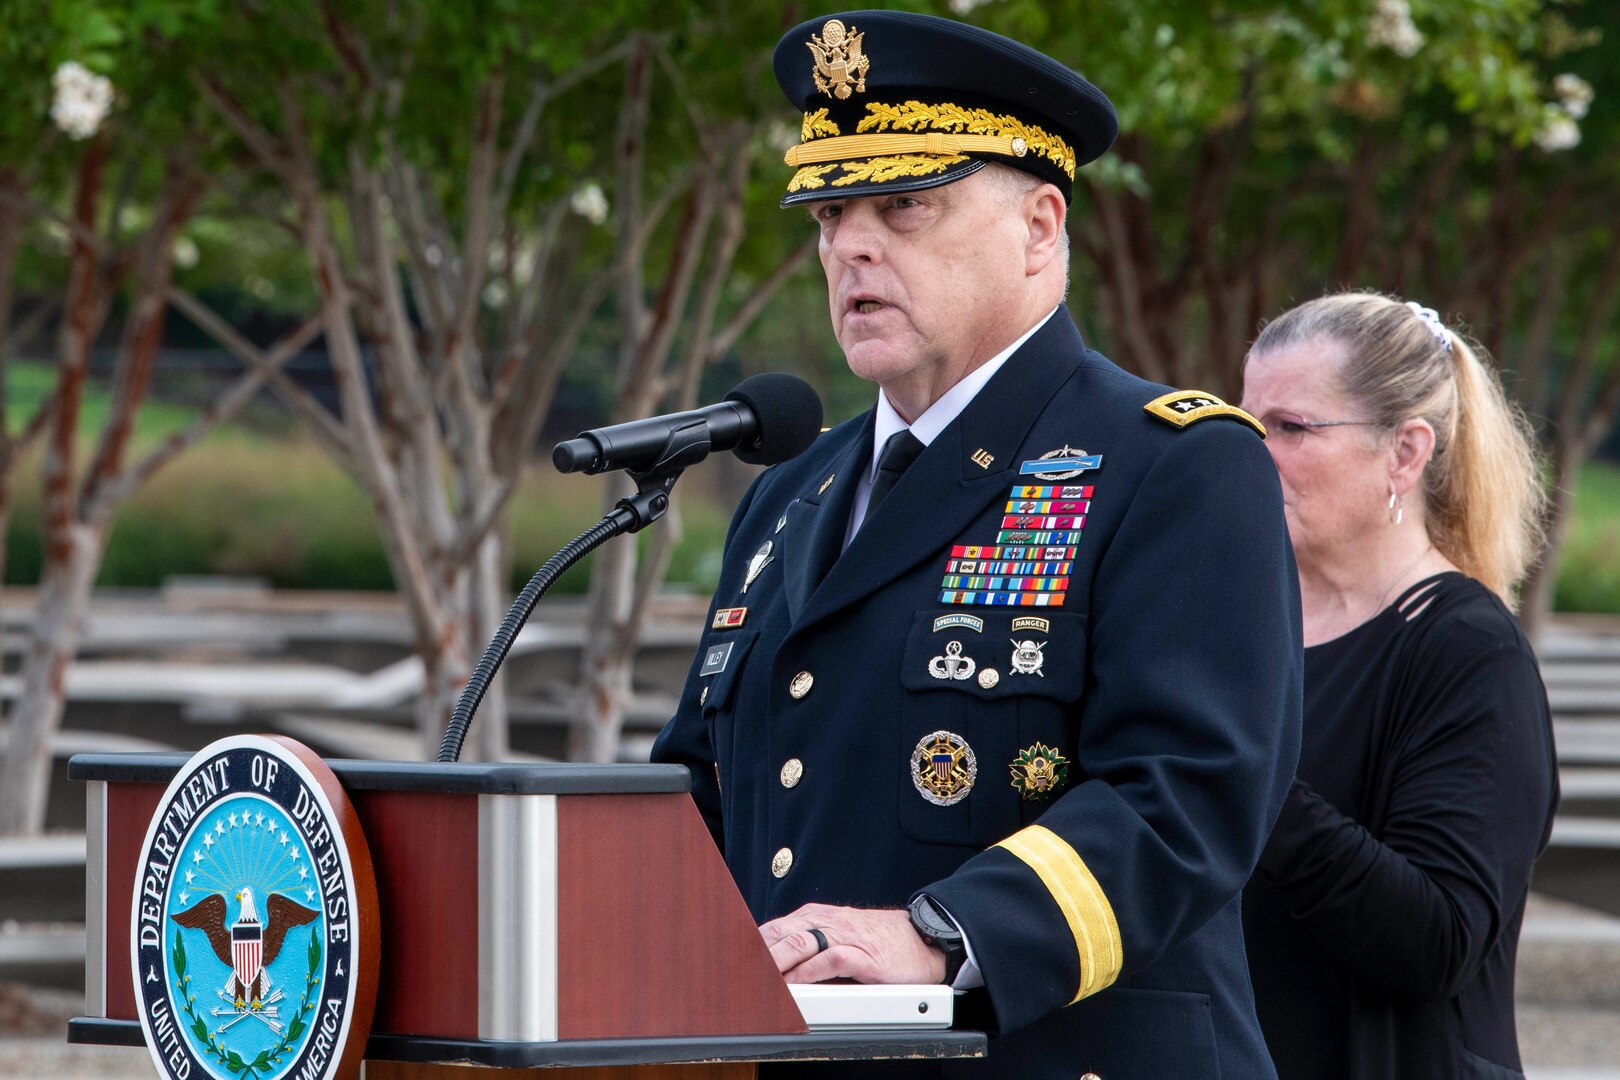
[1558, 131]
[590, 203]
[81, 100]
[965, 7]
[1574, 94]
[1392, 27]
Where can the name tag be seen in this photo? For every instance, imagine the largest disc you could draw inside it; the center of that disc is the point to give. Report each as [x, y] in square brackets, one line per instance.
[714, 661]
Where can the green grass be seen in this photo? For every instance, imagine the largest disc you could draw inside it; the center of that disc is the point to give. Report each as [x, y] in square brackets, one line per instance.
[276, 507]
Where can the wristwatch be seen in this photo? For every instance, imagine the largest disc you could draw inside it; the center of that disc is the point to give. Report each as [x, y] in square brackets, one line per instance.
[936, 929]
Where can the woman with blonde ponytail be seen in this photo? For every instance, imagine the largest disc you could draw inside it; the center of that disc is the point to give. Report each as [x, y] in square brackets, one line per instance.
[1383, 919]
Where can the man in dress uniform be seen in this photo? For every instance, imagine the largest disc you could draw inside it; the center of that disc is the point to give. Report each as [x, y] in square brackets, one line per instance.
[1002, 681]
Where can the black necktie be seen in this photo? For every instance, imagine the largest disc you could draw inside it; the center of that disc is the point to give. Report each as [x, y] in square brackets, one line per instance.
[898, 453]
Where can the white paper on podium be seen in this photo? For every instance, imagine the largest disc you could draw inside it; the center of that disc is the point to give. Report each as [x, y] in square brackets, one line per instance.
[857, 1007]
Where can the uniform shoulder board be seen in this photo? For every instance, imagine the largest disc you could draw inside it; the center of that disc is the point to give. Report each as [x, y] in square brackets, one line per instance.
[1183, 407]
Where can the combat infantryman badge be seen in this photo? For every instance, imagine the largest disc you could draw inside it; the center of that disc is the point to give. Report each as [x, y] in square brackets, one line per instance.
[839, 60]
[253, 929]
[943, 768]
[1039, 771]
[1027, 657]
[1060, 464]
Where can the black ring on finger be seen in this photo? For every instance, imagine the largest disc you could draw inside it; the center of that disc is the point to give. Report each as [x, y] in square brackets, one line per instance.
[821, 939]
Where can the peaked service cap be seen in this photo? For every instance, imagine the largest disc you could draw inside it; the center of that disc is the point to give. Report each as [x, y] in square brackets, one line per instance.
[895, 101]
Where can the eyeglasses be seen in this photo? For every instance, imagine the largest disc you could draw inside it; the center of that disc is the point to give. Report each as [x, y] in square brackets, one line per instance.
[1292, 429]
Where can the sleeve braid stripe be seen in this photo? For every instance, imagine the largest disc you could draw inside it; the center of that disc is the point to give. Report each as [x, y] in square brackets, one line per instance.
[1084, 905]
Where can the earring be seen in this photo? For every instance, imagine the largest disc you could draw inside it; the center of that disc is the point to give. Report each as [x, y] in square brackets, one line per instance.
[1396, 510]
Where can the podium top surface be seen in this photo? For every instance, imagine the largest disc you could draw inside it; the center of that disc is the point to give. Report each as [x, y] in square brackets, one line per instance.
[476, 778]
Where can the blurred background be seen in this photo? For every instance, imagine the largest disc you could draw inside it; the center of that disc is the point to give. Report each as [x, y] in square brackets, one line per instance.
[295, 295]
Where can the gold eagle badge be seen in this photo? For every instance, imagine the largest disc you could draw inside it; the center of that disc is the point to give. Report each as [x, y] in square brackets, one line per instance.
[839, 60]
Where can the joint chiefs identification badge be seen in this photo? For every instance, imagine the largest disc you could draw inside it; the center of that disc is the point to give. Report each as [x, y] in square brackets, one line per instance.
[1039, 771]
[253, 928]
[943, 768]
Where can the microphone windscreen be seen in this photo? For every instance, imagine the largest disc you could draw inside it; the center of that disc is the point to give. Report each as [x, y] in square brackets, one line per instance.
[789, 414]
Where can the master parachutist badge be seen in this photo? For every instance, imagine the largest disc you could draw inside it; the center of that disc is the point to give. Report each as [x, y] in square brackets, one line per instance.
[953, 665]
[1027, 657]
[1039, 771]
[839, 60]
[943, 768]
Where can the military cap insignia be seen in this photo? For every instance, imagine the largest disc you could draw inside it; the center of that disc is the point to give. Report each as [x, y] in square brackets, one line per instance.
[839, 60]
[943, 768]
[1183, 407]
[1039, 771]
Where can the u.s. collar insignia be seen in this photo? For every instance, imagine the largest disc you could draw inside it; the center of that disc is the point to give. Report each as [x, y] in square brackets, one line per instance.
[756, 564]
[943, 768]
[253, 924]
[1039, 771]
[1063, 463]
[839, 60]
[1183, 407]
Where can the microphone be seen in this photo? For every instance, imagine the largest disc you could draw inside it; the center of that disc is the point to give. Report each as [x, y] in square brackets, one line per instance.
[765, 420]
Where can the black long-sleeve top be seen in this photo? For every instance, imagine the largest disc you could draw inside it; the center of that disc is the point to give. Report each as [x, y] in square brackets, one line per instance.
[1383, 920]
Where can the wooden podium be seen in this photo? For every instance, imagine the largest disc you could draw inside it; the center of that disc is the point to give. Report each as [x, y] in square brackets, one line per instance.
[532, 916]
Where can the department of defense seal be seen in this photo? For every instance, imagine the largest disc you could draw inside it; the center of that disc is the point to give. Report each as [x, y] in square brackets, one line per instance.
[254, 926]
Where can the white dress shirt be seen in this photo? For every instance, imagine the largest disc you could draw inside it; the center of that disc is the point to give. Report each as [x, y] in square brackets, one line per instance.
[926, 427]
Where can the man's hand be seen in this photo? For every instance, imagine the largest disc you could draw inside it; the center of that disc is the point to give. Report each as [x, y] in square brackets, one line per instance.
[865, 945]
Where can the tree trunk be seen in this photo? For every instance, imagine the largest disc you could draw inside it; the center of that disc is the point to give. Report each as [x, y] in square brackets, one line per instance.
[491, 598]
[1539, 588]
[64, 596]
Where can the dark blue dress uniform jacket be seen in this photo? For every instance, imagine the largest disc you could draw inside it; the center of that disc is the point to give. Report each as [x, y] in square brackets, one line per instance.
[1105, 919]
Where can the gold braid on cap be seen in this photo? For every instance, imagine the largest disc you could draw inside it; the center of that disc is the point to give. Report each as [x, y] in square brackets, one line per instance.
[914, 129]
[875, 170]
[947, 117]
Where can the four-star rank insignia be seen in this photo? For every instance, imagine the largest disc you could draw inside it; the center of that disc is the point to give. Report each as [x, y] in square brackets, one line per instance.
[1183, 407]
[1039, 771]
[839, 61]
[943, 768]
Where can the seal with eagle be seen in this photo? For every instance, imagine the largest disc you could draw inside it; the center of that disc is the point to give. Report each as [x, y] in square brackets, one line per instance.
[246, 947]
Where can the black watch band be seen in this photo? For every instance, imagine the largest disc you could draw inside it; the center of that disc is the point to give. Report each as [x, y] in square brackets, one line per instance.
[937, 929]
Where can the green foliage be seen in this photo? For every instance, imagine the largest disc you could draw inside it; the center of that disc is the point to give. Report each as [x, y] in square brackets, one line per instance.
[1589, 567]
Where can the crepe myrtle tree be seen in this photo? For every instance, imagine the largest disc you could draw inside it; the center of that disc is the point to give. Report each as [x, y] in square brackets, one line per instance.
[470, 190]
[1460, 153]
[66, 129]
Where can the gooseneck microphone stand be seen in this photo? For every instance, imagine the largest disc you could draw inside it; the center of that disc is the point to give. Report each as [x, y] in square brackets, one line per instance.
[686, 447]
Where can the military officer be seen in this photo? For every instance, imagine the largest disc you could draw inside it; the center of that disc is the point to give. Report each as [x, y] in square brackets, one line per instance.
[1001, 685]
